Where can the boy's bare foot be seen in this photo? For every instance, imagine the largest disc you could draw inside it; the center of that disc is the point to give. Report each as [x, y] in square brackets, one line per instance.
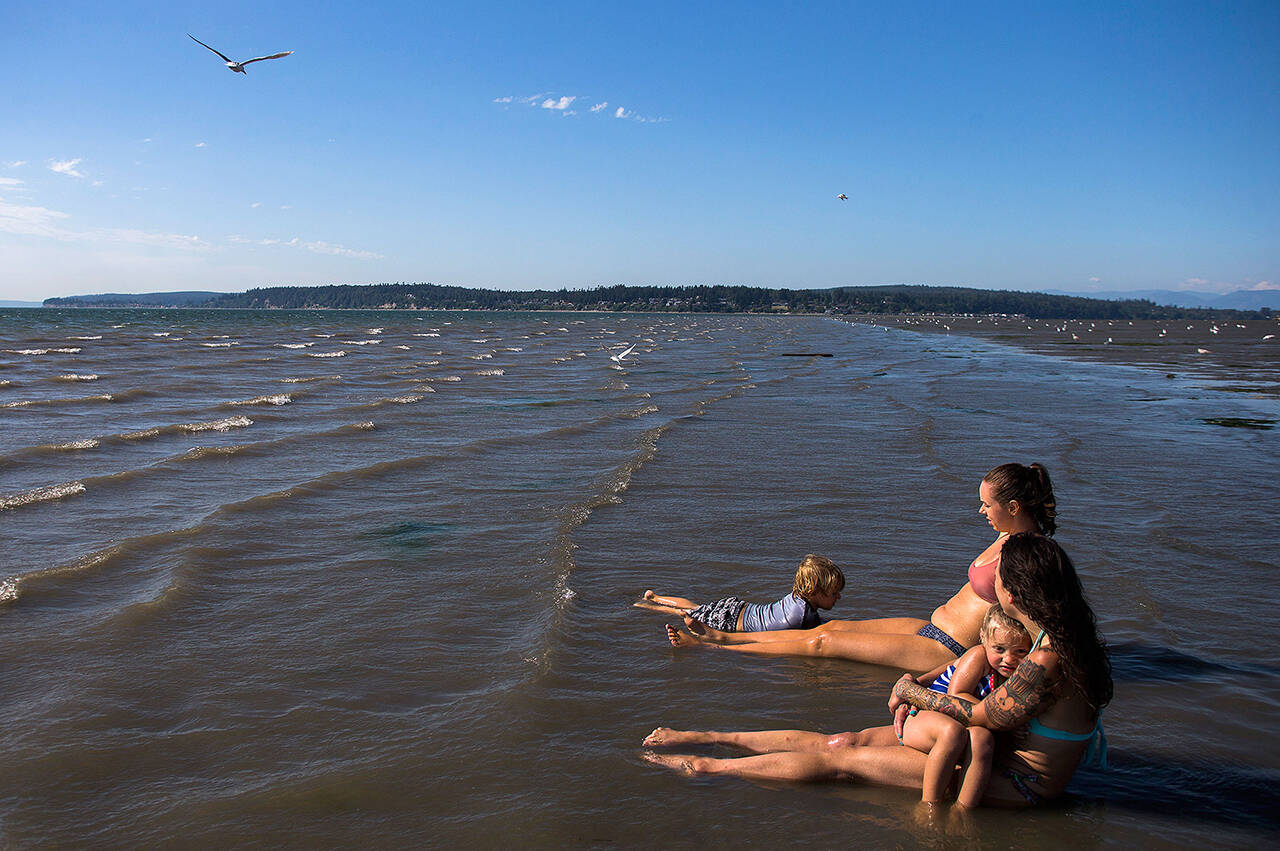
[696, 627]
[666, 737]
[648, 595]
[676, 762]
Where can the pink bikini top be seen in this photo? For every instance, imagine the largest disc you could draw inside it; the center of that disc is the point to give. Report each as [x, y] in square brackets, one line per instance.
[982, 578]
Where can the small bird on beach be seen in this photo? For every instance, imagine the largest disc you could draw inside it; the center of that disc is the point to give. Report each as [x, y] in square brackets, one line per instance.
[238, 67]
[843, 197]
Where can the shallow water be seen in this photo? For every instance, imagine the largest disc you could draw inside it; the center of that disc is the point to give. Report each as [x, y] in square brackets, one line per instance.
[365, 578]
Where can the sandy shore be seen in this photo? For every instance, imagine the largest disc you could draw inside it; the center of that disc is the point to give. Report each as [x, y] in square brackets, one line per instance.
[1244, 353]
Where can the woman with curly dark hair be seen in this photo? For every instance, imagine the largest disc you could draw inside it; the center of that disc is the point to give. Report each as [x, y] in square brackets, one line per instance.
[1012, 497]
[1057, 692]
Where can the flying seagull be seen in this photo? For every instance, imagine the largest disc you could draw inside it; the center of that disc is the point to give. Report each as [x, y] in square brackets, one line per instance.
[841, 196]
[621, 357]
[239, 66]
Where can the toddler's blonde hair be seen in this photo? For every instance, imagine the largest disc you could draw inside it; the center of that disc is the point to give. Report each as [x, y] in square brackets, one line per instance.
[997, 619]
[817, 574]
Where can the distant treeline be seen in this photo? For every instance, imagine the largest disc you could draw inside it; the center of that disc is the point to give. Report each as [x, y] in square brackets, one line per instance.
[696, 299]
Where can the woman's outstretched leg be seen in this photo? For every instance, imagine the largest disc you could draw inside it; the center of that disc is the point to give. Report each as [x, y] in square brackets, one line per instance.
[885, 766]
[892, 626]
[770, 741]
[912, 652]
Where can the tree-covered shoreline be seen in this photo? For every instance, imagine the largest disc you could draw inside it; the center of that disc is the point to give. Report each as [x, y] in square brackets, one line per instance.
[896, 299]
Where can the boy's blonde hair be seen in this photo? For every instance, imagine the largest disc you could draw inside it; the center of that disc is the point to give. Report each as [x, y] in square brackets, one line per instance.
[816, 574]
[998, 619]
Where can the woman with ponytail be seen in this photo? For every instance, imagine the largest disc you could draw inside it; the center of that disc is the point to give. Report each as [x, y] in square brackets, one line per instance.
[1013, 497]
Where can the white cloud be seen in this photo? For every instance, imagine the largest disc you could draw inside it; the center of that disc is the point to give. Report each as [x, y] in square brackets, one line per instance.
[1207, 285]
[67, 167]
[139, 237]
[317, 247]
[29, 221]
[562, 104]
[10, 181]
[16, 164]
[255, 205]
[1094, 279]
[41, 221]
[321, 247]
[200, 145]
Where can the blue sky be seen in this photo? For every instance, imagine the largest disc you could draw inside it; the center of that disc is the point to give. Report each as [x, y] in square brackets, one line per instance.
[1085, 147]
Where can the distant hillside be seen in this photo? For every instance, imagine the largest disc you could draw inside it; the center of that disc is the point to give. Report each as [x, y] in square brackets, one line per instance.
[703, 299]
[1237, 300]
[184, 299]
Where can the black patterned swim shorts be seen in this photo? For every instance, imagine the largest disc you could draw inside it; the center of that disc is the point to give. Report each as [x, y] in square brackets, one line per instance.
[721, 615]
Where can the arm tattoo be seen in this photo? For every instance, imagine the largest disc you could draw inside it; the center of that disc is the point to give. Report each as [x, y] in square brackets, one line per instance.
[948, 704]
[1019, 699]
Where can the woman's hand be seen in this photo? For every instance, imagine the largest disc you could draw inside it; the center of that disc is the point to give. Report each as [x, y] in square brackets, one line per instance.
[894, 700]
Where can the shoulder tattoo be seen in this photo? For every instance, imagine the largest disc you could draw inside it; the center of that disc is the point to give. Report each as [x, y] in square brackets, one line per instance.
[1020, 698]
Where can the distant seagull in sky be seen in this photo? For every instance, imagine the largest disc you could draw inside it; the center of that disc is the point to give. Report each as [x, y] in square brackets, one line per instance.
[239, 66]
[843, 197]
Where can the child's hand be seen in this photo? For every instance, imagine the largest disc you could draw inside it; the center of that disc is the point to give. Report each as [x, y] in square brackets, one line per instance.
[900, 716]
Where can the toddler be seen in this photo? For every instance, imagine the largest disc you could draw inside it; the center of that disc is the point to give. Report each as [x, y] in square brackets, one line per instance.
[817, 585]
[980, 671]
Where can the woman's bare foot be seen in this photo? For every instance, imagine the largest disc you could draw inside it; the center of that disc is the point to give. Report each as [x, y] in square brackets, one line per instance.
[716, 636]
[680, 638]
[676, 762]
[665, 737]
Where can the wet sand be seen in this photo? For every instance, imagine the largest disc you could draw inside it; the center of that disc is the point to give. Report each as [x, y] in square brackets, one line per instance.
[1244, 354]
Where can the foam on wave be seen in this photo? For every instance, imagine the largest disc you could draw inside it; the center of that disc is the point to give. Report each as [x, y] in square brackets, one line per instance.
[44, 494]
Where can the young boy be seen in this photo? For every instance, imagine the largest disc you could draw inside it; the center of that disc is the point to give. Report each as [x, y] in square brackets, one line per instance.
[817, 585]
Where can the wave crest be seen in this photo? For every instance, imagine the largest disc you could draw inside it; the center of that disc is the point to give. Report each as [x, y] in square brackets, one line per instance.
[45, 494]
